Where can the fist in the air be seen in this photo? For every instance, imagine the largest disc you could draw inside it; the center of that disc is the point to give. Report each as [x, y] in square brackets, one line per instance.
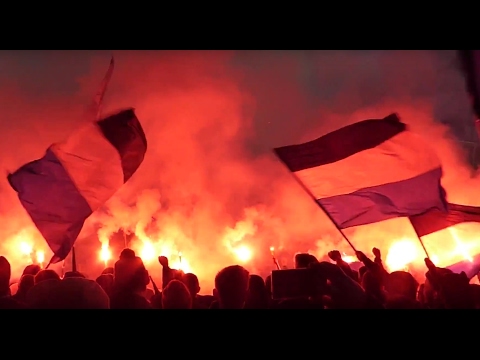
[335, 255]
[163, 261]
[376, 252]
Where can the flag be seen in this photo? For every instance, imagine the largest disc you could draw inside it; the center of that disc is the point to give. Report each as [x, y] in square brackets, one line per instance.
[74, 178]
[367, 172]
[435, 220]
[471, 268]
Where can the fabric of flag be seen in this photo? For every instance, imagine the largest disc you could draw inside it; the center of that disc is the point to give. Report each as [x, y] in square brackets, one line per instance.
[471, 267]
[435, 220]
[76, 177]
[367, 172]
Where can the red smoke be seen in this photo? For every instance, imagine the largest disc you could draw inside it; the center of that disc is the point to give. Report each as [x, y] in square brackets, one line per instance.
[209, 178]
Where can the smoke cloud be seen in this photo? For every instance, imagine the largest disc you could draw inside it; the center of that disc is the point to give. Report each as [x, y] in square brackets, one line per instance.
[210, 187]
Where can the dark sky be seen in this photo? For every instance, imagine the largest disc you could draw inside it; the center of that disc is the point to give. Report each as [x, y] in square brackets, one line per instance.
[278, 80]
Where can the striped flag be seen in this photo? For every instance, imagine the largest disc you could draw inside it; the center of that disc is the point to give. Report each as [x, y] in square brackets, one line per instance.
[367, 172]
[435, 220]
[470, 267]
[74, 178]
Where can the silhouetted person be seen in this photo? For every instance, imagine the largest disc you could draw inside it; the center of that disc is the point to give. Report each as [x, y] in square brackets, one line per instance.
[402, 302]
[176, 296]
[46, 275]
[337, 257]
[6, 300]
[342, 291]
[106, 282]
[268, 288]
[168, 274]
[130, 282]
[295, 304]
[456, 291]
[475, 289]
[69, 293]
[71, 274]
[31, 269]
[257, 297]
[108, 270]
[231, 287]
[303, 260]
[372, 284]
[401, 283]
[198, 301]
[127, 254]
[361, 272]
[24, 285]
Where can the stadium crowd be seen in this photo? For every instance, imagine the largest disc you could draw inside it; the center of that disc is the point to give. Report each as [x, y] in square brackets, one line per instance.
[326, 285]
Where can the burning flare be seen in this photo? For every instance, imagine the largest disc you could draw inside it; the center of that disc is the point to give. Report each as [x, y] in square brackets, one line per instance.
[348, 259]
[148, 251]
[25, 248]
[182, 264]
[40, 257]
[461, 248]
[243, 253]
[105, 253]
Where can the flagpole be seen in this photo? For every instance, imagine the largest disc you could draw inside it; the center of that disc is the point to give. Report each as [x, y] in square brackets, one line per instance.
[421, 242]
[98, 100]
[74, 260]
[321, 207]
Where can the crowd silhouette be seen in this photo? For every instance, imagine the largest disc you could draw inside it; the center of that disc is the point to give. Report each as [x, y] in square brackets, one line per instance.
[312, 284]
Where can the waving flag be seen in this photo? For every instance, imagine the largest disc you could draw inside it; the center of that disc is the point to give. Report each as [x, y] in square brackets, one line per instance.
[470, 267]
[367, 172]
[435, 220]
[62, 189]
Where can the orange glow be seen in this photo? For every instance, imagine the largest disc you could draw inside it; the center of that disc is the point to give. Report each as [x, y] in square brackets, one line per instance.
[209, 185]
[25, 248]
[243, 253]
[148, 252]
[401, 254]
[460, 247]
[348, 259]
[181, 264]
[40, 256]
[105, 254]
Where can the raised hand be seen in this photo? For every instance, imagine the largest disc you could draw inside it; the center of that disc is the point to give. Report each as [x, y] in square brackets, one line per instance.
[429, 263]
[335, 255]
[163, 260]
[361, 256]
